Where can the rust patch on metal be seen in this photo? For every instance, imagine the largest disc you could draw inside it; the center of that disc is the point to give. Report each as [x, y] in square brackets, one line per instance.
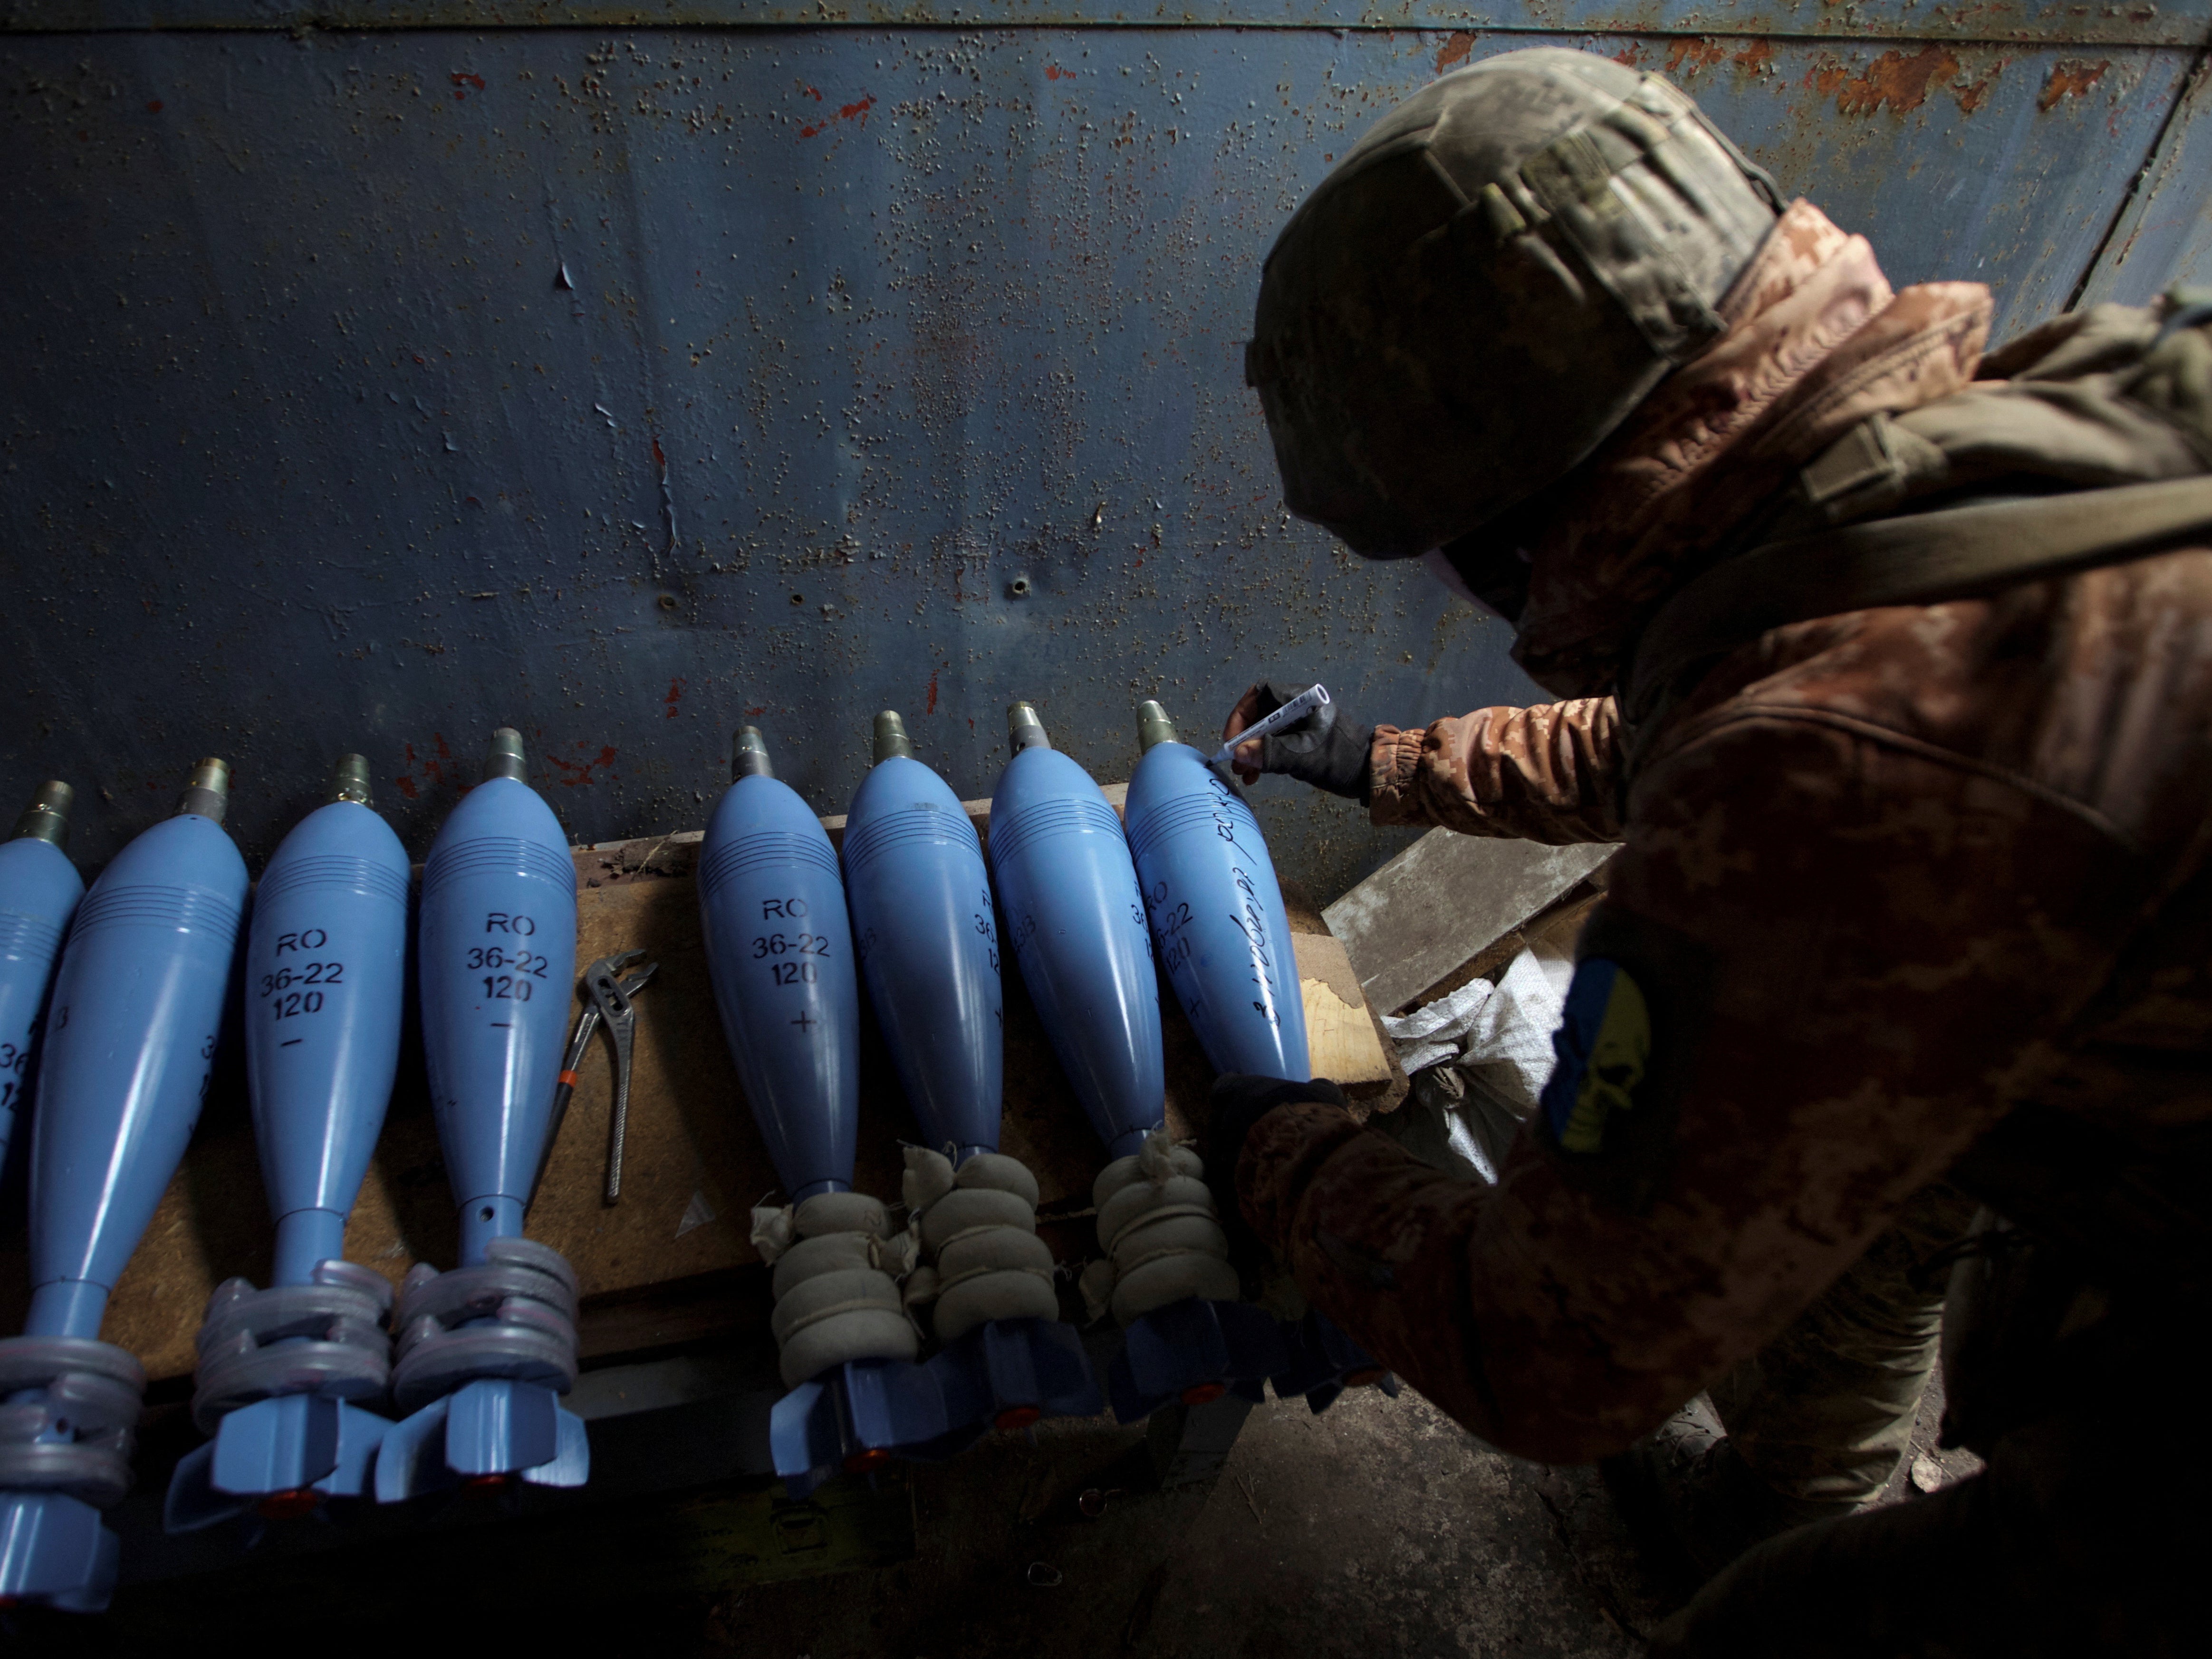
[1971, 98]
[2070, 77]
[1900, 82]
[1686, 57]
[577, 772]
[427, 770]
[1757, 57]
[854, 112]
[1455, 49]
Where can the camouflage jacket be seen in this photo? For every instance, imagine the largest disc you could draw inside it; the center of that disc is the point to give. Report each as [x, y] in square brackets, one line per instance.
[1888, 878]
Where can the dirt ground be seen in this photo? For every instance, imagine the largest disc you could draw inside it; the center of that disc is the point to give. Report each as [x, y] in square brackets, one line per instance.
[1377, 1528]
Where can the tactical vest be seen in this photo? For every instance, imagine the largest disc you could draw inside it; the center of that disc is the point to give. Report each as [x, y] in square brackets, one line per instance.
[2092, 451]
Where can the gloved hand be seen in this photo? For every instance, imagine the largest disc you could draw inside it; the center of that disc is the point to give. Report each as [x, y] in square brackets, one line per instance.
[1326, 748]
[1238, 1103]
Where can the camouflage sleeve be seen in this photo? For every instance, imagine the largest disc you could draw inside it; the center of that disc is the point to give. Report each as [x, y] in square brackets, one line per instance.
[1549, 774]
[1849, 954]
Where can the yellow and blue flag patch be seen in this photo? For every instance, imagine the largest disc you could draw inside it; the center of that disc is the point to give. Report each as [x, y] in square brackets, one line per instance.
[1603, 1047]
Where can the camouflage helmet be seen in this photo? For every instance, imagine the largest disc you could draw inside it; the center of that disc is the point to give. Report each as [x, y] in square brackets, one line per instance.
[1486, 285]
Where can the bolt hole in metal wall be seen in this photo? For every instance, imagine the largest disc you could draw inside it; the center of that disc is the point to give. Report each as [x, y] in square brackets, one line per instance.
[381, 372]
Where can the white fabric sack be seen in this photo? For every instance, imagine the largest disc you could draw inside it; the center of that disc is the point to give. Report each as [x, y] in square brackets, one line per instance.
[1508, 1045]
[1432, 1034]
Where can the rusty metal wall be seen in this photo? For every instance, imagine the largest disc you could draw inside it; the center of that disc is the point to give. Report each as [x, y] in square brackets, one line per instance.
[619, 373]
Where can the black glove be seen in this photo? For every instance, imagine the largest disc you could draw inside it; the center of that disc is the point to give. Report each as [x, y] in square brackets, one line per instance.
[1326, 748]
[1239, 1102]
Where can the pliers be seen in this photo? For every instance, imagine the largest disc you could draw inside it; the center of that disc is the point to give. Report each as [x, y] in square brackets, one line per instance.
[609, 1005]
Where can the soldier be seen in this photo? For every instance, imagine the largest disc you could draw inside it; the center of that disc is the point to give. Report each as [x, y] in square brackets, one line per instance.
[1889, 660]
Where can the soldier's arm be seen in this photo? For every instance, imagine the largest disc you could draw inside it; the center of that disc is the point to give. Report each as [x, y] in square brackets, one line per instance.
[1849, 955]
[1548, 773]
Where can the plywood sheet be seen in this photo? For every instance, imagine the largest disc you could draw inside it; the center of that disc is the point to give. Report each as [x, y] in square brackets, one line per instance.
[1441, 902]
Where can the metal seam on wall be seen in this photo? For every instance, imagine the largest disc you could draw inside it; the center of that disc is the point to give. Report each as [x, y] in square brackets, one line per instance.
[2140, 24]
[2103, 277]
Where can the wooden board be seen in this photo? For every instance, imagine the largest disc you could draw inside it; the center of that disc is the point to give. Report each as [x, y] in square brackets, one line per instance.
[1342, 1042]
[1421, 918]
[673, 1260]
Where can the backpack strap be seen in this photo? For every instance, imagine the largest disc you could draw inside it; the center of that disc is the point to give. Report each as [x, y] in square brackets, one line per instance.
[1925, 558]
